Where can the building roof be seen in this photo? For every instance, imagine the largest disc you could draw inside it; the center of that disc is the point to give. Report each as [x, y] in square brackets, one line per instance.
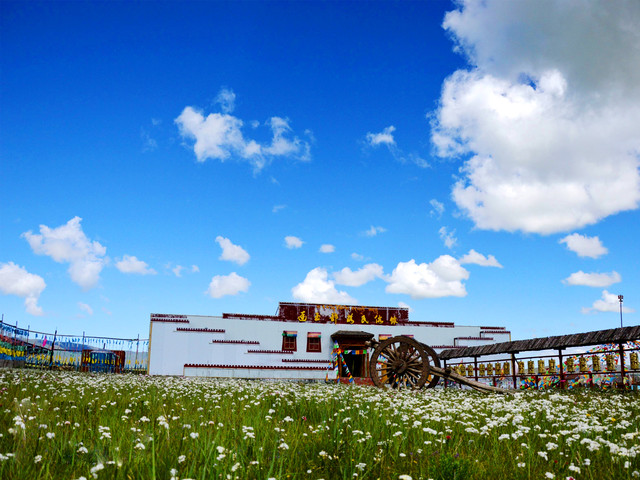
[613, 335]
[355, 334]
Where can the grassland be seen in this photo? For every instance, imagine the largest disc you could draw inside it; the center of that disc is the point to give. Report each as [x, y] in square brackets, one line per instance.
[57, 425]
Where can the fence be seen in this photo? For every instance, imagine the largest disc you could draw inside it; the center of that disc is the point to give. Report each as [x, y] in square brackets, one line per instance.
[41, 350]
[560, 362]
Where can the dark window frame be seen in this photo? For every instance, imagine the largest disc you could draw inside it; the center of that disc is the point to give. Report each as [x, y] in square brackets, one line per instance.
[314, 344]
[289, 343]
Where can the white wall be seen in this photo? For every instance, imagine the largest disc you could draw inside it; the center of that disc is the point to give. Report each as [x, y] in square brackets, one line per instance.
[171, 349]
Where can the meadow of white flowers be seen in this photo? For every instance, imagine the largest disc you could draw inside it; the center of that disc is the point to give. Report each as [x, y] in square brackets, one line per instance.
[56, 425]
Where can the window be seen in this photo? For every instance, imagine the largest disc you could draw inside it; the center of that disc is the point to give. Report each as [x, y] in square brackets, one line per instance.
[314, 342]
[289, 341]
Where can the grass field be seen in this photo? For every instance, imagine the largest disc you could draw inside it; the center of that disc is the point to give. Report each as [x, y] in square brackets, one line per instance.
[73, 425]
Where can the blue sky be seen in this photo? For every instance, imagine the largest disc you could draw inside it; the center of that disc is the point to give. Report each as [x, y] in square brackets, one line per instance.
[477, 162]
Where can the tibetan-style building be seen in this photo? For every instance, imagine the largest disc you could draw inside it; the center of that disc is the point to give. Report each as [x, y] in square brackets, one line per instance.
[296, 343]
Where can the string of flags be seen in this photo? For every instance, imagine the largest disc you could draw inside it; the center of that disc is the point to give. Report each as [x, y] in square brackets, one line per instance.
[337, 359]
[38, 349]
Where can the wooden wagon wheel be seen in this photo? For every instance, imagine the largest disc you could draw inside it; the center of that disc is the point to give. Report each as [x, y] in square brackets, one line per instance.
[433, 358]
[400, 362]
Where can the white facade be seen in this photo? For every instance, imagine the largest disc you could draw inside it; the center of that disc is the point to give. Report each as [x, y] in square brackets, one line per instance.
[251, 346]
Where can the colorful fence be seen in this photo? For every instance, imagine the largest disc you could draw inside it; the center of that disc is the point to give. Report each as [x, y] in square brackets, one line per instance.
[602, 366]
[27, 348]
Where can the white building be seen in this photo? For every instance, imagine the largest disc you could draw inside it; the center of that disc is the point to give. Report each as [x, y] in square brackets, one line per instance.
[297, 343]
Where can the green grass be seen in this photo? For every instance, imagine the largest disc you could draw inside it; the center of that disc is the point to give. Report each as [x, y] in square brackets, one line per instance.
[71, 425]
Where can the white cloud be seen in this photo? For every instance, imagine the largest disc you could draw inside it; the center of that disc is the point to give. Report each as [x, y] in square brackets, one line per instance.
[177, 270]
[85, 308]
[232, 284]
[227, 100]
[593, 279]
[195, 269]
[327, 248]
[231, 252]
[277, 208]
[292, 242]
[15, 280]
[441, 278]
[548, 112]
[283, 146]
[364, 275]
[317, 288]
[219, 136]
[479, 259]
[437, 208]
[68, 244]
[373, 231]
[383, 138]
[608, 303]
[448, 237]
[386, 139]
[585, 246]
[130, 264]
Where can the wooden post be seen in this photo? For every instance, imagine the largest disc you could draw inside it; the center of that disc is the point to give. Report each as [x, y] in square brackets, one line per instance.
[622, 375]
[513, 371]
[53, 346]
[563, 380]
[135, 365]
[475, 366]
[13, 346]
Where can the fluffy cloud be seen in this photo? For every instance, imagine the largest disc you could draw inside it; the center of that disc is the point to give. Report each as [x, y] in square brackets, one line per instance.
[364, 275]
[448, 237]
[547, 112]
[383, 138]
[130, 264]
[608, 303]
[232, 284]
[373, 231]
[327, 248]
[292, 242]
[68, 244]
[317, 288]
[219, 136]
[585, 246]
[231, 252]
[441, 278]
[593, 279]
[15, 280]
[479, 259]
